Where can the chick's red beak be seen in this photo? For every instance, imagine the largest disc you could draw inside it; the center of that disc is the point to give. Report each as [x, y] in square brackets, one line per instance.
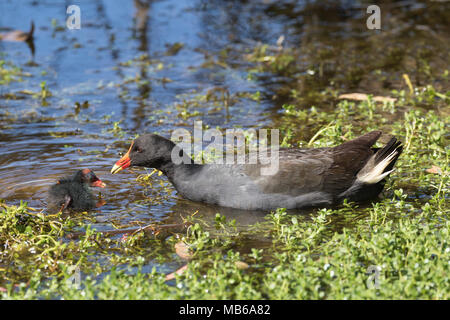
[123, 163]
[98, 183]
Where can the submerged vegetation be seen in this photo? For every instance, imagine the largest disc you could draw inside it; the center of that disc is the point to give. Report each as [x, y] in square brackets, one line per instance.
[149, 244]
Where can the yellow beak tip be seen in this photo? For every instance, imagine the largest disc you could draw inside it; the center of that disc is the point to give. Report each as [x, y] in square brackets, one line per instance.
[115, 169]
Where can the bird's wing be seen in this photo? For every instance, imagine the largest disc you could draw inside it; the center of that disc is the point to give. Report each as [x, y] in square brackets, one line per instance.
[67, 200]
[330, 170]
[298, 171]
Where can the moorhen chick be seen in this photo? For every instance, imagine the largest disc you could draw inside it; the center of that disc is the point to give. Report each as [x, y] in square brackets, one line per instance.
[305, 177]
[73, 192]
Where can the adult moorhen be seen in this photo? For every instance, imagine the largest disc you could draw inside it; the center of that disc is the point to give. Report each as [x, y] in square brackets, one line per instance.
[305, 177]
[73, 192]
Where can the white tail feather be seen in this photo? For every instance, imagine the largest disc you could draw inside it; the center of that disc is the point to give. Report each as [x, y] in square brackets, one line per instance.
[376, 174]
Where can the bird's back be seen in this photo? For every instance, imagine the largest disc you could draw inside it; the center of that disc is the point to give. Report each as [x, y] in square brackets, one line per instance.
[80, 195]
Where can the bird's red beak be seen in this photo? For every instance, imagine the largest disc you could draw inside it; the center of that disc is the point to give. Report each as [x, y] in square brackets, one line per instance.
[98, 183]
[123, 163]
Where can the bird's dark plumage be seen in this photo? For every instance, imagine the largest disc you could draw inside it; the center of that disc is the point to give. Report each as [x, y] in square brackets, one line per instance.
[73, 192]
[305, 177]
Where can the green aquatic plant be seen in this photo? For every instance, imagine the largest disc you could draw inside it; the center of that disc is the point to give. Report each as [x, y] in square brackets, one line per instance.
[9, 72]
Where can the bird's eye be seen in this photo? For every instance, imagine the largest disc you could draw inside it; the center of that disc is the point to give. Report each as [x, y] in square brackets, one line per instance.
[139, 149]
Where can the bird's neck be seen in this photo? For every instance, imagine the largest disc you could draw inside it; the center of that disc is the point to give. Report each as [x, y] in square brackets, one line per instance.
[168, 168]
[183, 164]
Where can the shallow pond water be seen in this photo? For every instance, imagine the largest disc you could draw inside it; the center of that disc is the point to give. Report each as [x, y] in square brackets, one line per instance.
[40, 143]
[155, 68]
